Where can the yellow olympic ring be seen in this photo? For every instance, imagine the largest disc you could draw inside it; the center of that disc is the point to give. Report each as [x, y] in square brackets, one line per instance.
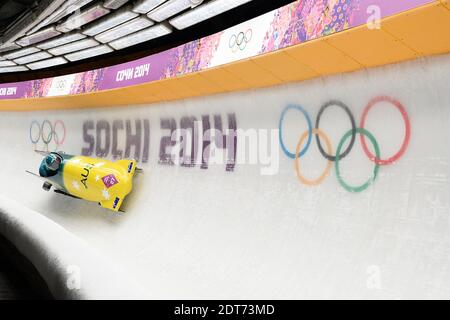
[319, 180]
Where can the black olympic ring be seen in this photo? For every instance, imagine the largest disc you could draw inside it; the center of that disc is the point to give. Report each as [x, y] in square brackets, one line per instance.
[240, 40]
[352, 120]
[47, 135]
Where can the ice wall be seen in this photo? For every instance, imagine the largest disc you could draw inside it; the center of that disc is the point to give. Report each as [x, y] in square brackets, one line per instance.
[197, 227]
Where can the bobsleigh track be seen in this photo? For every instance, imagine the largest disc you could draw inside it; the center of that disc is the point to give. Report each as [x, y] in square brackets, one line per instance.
[238, 214]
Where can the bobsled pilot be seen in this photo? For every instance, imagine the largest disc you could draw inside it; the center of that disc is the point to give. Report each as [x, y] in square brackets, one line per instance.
[50, 165]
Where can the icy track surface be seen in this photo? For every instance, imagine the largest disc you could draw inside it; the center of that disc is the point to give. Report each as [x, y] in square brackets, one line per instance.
[256, 230]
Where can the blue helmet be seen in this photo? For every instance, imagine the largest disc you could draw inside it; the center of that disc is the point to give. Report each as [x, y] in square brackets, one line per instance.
[52, 162]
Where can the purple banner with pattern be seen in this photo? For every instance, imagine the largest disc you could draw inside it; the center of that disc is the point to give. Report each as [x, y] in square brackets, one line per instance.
[292, 24]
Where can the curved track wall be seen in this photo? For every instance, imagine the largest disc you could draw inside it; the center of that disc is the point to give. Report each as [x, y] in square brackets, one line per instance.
[204, 226]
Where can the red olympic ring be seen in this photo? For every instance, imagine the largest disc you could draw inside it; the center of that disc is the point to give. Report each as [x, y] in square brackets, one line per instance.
[404, 146]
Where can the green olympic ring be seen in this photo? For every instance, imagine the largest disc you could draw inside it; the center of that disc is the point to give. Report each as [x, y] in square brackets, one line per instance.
[364, 186]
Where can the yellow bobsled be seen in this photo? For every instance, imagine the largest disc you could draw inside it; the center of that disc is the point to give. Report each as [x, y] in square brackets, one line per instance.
[91, 179]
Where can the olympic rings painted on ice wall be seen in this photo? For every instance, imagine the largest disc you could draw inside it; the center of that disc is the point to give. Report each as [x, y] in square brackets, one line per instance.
[351, 134]
[47, 132]
[240, 40]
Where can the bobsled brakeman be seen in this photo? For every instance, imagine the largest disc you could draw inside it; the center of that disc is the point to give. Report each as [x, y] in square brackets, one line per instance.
[91, 179]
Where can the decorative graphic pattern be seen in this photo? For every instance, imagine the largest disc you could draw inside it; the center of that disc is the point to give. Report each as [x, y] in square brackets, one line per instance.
[193, 56]
[87, 81]
[109, 180]
[39, 88]
[307, 20]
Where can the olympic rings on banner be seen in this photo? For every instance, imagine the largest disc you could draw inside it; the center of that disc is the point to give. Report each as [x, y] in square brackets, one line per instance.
[280, 132]
[351, 134]
[240, 40]
[405, 143]
[318, 181]
[47, 132]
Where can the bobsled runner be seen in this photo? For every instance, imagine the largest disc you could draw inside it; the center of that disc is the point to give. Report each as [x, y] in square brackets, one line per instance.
[91, 179]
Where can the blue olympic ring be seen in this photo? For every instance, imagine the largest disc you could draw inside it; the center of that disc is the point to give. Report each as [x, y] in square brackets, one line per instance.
[280, 132]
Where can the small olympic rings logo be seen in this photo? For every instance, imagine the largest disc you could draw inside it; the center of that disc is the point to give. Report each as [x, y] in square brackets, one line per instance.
[47, 133]
[61, 84]
[351, 135]
[239, 41]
